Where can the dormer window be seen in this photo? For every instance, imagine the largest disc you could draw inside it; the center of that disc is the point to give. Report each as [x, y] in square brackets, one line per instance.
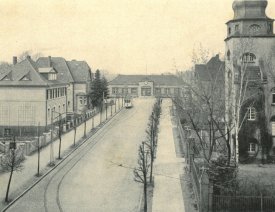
[248, 58]
[52, 76]
[48, 73]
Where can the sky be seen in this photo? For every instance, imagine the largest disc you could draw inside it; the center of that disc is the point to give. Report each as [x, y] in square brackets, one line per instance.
[120, 36]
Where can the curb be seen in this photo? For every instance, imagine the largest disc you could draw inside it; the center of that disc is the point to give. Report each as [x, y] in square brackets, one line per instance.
[60, 161]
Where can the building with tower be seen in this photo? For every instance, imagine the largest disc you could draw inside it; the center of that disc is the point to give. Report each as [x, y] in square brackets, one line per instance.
[249, 79]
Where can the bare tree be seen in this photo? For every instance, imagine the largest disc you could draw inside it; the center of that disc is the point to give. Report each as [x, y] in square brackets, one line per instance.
[26, 53]
[12, 162]
[141, 172]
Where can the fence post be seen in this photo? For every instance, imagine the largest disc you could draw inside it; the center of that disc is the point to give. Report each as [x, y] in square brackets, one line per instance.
[205, 199]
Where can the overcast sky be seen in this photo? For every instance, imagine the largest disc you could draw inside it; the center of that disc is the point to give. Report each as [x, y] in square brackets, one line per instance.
[121, 36]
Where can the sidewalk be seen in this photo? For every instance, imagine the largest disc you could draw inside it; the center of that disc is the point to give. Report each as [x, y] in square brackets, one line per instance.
[24, 178]
[168, 168]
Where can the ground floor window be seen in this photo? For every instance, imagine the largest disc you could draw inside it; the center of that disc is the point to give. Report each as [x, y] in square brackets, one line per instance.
[134, 90]
[158, 90]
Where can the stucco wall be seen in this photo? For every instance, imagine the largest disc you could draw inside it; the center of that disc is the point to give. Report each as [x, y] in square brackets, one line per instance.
[22, 106]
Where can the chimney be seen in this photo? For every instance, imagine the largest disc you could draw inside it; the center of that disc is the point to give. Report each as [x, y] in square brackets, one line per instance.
[14, 60]
[28, 57]
[50, 61]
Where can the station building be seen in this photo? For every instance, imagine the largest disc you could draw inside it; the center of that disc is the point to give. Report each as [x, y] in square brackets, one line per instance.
[145, 86]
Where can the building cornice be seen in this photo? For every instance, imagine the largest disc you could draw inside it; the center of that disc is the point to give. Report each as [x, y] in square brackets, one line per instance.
[249, 19]
[249, 36]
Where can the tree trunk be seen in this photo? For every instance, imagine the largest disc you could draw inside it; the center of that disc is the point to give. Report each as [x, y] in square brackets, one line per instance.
[145, 195]
[9, 183]
[38, 161]
[59, 149]
[151, 167]
[85, 128]
[74, 134]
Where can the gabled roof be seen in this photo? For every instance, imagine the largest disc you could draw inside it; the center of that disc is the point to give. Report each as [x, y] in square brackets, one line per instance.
[59, 64]
[80, 70]
[26, 68]
[166, 80]
[212, 70]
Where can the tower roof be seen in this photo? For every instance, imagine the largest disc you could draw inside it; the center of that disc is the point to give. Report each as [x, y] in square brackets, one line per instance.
[247, 9]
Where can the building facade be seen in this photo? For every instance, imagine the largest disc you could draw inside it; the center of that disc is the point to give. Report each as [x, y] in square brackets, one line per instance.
[78, 76]
[40, 93]
[145, 86]
[249, 78]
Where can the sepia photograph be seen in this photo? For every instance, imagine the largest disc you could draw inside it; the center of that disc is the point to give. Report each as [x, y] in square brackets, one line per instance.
[137, 106]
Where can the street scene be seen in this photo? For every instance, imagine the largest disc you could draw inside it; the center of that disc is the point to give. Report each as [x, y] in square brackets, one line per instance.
[137, 106]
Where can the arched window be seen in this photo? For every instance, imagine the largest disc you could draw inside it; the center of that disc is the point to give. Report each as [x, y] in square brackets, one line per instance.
[248, 57]
[251, 116]
[228, 55]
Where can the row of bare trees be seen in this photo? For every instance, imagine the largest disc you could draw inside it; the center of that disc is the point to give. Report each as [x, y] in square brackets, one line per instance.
[143, 173]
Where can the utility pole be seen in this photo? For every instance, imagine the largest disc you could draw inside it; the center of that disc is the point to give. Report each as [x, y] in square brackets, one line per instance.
[38, 151]
[51, 145]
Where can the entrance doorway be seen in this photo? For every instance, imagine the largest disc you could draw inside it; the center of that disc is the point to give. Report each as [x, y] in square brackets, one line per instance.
[146, 91]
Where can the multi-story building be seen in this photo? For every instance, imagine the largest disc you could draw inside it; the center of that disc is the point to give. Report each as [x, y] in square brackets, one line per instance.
[77, 74]
[145, 86]
[249, 78]
[39, 93]
[28, 95]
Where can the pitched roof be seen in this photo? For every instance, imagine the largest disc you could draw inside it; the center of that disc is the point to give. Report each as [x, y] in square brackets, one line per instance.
[20, 70]
[212, 70]
[168, 80]
[80, 70]
[59, 64]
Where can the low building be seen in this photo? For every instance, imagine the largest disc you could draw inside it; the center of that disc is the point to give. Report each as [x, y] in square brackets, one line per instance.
[145, 86]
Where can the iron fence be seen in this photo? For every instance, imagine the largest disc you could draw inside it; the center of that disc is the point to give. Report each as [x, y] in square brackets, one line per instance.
[243, 204]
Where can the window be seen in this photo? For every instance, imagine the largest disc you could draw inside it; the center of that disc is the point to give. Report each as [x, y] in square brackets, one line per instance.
[254, 29]
[252, 147]
[158, 90]
[273, 95]
[251, 114]
[133, 90]
[52, 76]
[237, 27]
[248, 58]
[228, 55]
[229, 30]
[114, 90]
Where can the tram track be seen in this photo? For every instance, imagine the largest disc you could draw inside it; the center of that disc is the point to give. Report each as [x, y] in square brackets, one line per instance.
[73, 161]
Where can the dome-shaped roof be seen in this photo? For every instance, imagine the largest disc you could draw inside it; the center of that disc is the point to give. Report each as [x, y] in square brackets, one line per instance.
[249, 9]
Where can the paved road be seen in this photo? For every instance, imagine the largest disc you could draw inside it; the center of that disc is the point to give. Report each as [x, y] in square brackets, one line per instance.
[91, 179]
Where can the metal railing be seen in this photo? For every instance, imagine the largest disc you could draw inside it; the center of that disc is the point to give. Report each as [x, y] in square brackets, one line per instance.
[243, 203]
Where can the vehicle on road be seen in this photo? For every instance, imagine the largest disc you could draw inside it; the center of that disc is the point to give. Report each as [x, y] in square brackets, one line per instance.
[128, 103]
